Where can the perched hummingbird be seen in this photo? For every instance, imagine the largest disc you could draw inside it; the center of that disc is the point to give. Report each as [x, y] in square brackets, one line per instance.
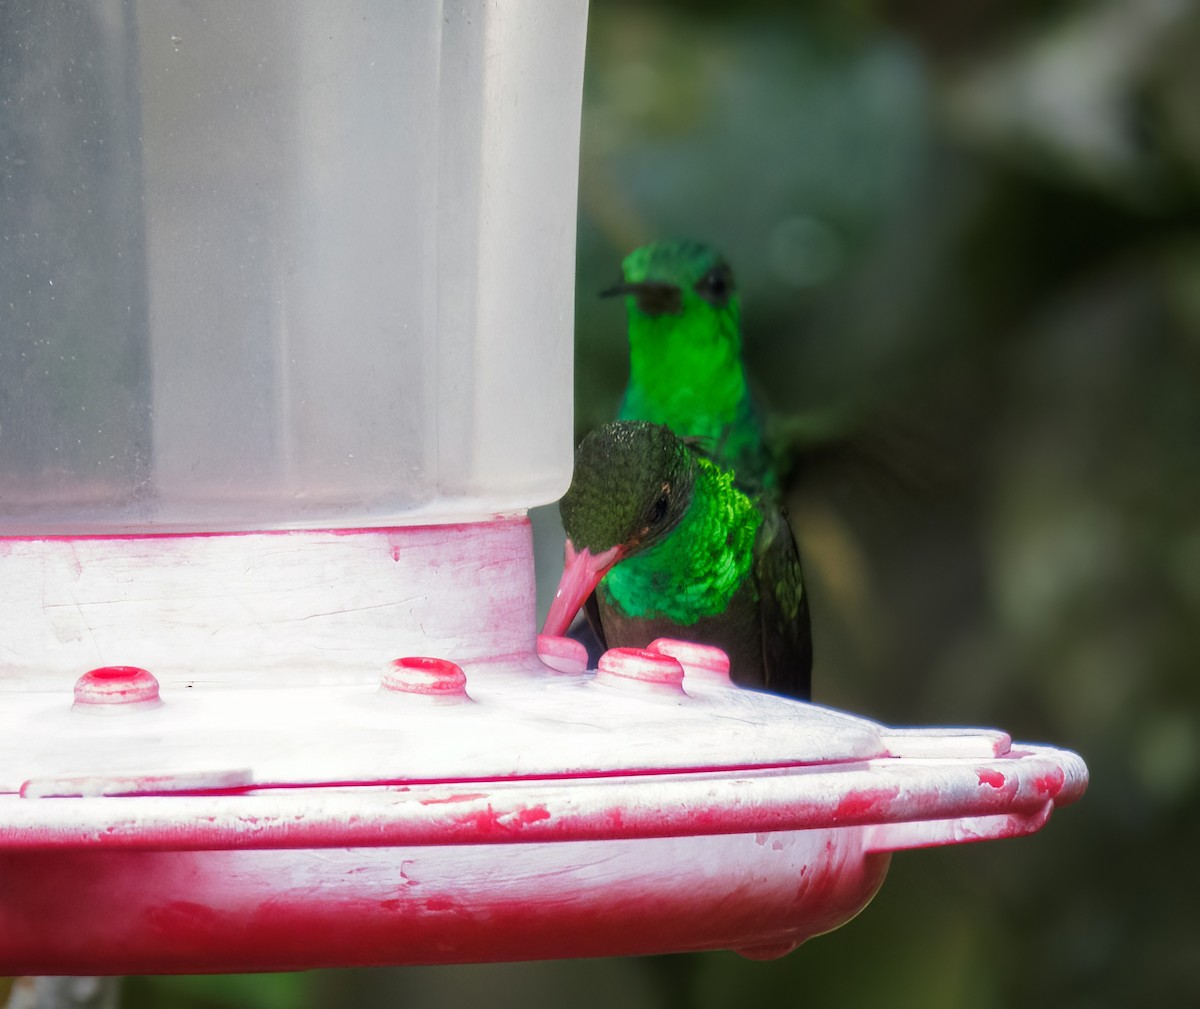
[671, 547]
[685, 357]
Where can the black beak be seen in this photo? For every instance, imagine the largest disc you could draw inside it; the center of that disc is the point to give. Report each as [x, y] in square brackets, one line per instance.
[652, 297]
[617, 289]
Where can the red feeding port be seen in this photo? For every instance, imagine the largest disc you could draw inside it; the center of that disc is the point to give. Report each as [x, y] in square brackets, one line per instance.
[640, 669]
[438, 678]
[701, 663]
[116, 685]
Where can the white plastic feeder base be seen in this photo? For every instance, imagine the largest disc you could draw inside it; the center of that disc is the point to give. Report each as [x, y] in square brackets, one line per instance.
[318, 749]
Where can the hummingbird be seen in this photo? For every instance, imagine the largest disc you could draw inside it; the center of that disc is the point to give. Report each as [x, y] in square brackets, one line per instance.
[685, 357]
[662, 542]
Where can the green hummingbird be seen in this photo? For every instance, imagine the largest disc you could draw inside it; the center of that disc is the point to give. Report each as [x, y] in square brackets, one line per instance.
[670, 546]
[685, 357]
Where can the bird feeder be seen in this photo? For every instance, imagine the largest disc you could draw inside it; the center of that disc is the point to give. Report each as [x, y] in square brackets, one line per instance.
[286, 357]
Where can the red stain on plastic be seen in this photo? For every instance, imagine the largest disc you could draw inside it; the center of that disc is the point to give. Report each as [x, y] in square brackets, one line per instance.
[449, 529]
[532, 815]
[185, 917]
[489, 821]
[462, 797]
[1049, 784]
[865, 801]
[990, 777]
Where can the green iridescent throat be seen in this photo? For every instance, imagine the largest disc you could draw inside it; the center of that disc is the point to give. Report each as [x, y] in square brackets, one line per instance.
[685, 370]
[696, 570]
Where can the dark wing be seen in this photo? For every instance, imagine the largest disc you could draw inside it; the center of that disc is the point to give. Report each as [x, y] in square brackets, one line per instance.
[783, 605]
[890, 455]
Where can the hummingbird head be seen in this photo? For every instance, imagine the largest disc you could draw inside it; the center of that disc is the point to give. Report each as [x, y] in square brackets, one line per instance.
[631, 487]
[666, 277]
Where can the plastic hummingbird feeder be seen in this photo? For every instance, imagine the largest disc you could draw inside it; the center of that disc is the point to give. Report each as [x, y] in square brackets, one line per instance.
[272, 691]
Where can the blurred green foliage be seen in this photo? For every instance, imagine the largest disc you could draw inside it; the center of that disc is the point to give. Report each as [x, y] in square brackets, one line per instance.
[967, 238]
[971, 237]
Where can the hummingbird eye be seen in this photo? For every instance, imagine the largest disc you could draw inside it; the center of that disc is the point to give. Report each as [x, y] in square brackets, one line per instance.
[716, 286]
[658, 510]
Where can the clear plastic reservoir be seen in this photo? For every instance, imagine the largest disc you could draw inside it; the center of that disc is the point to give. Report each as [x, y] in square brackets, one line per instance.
[284, 263]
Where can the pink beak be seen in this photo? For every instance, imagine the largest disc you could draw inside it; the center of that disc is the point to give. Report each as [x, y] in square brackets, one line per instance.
[581, 574]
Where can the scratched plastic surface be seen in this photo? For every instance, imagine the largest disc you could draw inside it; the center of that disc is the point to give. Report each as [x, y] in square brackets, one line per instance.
[539, 814]
[285, 263]
[549, 815]
[527, 721]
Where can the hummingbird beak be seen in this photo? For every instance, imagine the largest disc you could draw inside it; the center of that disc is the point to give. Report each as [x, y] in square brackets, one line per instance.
[618, 289]
[653, 297]
[581, 574]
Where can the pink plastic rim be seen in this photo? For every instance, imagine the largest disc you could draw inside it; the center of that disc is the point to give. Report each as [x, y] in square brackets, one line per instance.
[705, 662]
[639, 667]
[429, 677]
[116, 685]
[565, 655]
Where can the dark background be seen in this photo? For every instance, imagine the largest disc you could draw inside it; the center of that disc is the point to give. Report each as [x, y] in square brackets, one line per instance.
[966, 237]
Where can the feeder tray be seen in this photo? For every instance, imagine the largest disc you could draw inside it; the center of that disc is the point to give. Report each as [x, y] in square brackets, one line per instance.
[498, 807]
